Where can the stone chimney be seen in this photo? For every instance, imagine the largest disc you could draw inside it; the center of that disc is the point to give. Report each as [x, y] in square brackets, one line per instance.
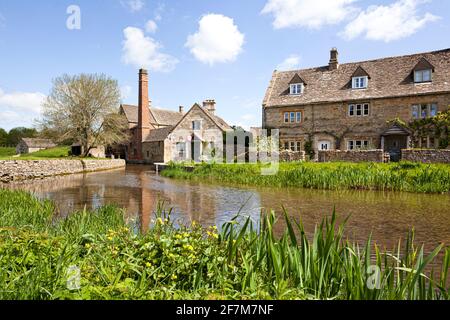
[143, 128]
[181, 109]
[210, 105]
[334, 62]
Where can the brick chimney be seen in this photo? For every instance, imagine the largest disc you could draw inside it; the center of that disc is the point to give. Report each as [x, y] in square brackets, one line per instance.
[334, 62]
[143, 128]
[210, 105]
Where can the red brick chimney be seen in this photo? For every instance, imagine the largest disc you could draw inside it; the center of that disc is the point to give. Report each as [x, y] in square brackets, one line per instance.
[143, 128]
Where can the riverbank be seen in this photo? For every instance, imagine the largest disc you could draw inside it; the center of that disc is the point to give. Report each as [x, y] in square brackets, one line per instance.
[404, 176]
[96, 255]
[18, 170]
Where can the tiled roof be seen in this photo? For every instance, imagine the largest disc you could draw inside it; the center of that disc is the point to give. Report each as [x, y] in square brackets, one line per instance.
[38, 143]
[159, 134]
[389, 77]
[160, 117]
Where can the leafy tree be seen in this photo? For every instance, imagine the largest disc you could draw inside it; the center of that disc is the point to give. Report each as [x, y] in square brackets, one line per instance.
[84, 108]
[16, 134]
[3, 137]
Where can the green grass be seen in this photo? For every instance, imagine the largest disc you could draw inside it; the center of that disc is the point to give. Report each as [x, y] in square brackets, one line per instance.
[7, 152]
[404, 176]
[52, 153]
[241, 261]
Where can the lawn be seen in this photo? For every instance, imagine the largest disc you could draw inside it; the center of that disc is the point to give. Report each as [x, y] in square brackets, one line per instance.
[98, 255]
[53, 153]
[403, 176]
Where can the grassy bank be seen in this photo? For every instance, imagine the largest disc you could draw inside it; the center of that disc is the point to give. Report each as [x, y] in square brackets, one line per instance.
[405, 176]
[53, 153]
[7, 152]
[196, 263]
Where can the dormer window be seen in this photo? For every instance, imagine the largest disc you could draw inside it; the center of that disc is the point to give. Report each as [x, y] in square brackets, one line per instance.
[360, 82]
[296, 89]
[422, 76]
[423, 71]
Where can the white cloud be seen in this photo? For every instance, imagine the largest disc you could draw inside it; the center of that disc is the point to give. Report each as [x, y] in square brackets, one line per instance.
[144, 52]
[19, 108]
[389, 23]
[151, 26]
[290, 63]
[133, 5]
[217, 40]
[312, 14]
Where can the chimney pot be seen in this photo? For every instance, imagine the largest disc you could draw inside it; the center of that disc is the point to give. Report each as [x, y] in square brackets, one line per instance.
[334, 61]
[181, 109]
[210, 105]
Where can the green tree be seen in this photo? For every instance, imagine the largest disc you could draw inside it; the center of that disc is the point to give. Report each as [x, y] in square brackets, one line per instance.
[84, 108]
[3, 137]
[16, 134]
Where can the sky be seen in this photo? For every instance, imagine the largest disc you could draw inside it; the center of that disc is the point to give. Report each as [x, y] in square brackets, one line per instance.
[198, 49]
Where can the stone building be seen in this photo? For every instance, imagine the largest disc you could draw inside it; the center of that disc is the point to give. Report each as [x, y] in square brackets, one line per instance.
[30, 145]
[351, 106]
[160, 136]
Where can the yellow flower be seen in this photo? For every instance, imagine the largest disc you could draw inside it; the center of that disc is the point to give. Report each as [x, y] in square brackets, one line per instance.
[174, 277]
[110, 238]
[160, 221]
[215, 235]
[178, 236]
[87, 245]
[148, 264]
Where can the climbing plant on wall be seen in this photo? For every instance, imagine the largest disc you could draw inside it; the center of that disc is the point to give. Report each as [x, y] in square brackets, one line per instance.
[437, 127]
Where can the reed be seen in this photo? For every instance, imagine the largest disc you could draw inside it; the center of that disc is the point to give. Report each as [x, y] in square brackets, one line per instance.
[404, 176]
[242, 260]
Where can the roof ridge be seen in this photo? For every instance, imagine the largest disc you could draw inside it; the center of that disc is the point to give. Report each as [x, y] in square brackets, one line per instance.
[371, 60]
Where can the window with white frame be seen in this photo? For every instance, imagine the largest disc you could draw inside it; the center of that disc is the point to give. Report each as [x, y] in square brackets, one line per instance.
[423, 111]
[357, 144]
[422, 76]
[181, 149]
[293, 117]
[296, 89]
[293, 146]
[359, 110]
[360, 82]
[196, 125]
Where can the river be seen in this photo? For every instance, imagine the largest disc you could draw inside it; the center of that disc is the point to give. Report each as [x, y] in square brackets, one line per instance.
[386, 215]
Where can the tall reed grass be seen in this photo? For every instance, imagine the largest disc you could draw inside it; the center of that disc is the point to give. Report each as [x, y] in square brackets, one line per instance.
[404, 176]
[241, 260]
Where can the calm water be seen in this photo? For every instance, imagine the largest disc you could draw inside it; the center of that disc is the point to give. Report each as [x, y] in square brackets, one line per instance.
[388, 216]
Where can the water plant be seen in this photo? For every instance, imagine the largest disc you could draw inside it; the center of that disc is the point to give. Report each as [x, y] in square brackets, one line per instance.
[243, 259]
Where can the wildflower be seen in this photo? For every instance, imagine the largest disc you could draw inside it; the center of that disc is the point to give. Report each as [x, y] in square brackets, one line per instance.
[159, 221]
[88, 246]
[178, 236]
[174, 277]
[215, 236]
[189, 247]
[110, 238]
[148, 264]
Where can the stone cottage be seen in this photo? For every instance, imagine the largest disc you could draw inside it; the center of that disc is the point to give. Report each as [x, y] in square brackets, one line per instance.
[30, 145]
[160, 135]
[351, 106]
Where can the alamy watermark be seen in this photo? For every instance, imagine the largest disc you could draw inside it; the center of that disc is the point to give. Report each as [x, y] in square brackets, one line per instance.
[73, 281]
[231, 147]
[73, 22]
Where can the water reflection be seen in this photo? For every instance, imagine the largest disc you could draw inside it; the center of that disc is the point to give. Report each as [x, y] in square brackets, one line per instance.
[388, 216]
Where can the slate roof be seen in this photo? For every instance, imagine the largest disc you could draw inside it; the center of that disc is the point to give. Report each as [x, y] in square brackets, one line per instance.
[159, 117]
[389, 77]
[38, 143]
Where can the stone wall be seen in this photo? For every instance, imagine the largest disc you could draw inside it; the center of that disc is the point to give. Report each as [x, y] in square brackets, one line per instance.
[426, 155]
[352, 156]
[16, 170]
[289, 156]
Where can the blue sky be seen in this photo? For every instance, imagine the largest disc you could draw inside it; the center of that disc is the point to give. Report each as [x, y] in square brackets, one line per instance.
[199, 49]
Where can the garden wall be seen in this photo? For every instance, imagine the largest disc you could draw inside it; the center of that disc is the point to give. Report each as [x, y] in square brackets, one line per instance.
[289, 156]
[352, 156]
[16, 170]
[426, 155]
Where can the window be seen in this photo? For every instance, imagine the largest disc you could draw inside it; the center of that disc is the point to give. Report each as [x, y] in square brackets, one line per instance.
[423, 111]
[359, 110]
[293, 146]
[181, 149]
[196, 125]
[422, 76]
[357, 144]
[296, 89]
[360, 82]
[292, 117]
